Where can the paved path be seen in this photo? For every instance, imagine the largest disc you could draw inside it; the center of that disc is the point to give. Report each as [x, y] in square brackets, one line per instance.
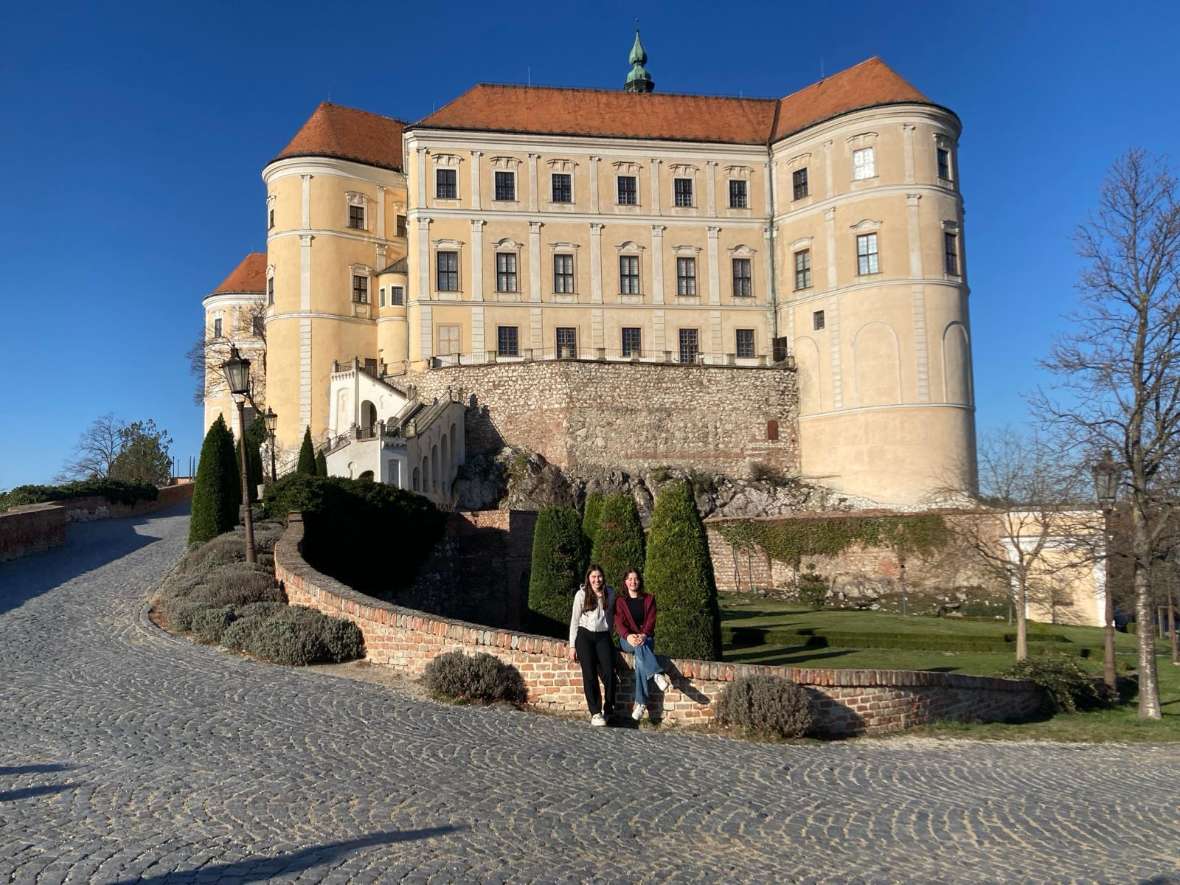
[127, 755]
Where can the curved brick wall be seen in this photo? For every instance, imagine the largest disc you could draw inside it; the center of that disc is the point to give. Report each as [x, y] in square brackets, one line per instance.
[847, 702]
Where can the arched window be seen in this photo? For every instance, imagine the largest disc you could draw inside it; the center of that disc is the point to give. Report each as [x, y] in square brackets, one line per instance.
[434, 468]
[426, 473]
[454, 454]
[446, 460]
[417, 479]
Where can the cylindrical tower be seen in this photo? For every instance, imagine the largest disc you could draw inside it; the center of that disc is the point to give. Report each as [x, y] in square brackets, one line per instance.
[336, 208]
[873, 296]
[234, 317]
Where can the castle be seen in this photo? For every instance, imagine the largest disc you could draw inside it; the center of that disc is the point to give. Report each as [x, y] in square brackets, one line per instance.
[727, 280]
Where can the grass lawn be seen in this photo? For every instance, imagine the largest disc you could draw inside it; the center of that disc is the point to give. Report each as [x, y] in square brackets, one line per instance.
[762, 631]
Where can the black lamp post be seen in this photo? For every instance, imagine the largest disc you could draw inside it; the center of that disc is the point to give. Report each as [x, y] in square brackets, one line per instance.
[272, 423]
[1106, 483]
[237, 374]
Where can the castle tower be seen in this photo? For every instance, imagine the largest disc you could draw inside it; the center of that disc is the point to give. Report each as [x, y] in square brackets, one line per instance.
[336, 208]
[234, 317]
[872, 288]
[638, 79]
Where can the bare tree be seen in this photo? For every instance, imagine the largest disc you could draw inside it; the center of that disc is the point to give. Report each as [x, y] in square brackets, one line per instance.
[1118, 370]
[209, 352]
[95, 452]
[1027, 530]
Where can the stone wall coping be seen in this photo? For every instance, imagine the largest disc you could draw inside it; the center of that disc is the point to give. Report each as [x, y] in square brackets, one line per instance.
[32, 508]
[625, 365]
[289, 558]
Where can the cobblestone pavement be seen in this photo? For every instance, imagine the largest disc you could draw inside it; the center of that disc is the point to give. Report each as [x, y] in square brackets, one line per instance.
[127, 755]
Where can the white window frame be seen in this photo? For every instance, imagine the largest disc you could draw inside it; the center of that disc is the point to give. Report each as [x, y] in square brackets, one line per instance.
[864, 163]
[355, 200]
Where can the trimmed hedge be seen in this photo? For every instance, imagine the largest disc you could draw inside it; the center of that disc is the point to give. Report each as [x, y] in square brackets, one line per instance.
[558, 554]
[217, 490]
[679, 573]
[741, 636]
[116, 491]
[294, 635]
[765, 705]
[343, 516]
[618, 540]
[1067, 687]
[481, 678]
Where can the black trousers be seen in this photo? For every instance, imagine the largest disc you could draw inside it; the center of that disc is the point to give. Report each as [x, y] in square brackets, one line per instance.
[596, 654]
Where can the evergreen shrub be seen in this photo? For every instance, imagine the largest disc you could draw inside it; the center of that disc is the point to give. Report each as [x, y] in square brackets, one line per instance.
[812, 589]
[765, 705]
[306, 464]
[558, 554]
[293, 635]
[618, 539]
[116, 491]
[209, 624]
[1067, 687]
[479, 678]
[217, 492]
[321, 464]
[679, 573]
[591, 515]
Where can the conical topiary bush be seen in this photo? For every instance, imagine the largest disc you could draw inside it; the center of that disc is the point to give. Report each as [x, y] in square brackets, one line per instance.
[306, 464]
[591, 514]
[321, 464]
[217, 492]
[618, 540]
[679, 573]
[558, 555]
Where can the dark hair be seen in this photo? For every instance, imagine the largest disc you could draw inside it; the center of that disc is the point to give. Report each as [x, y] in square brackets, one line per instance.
[639, 575]
[590, 600]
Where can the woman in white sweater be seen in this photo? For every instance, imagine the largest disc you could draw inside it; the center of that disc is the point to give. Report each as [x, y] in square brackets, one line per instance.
[590, 644]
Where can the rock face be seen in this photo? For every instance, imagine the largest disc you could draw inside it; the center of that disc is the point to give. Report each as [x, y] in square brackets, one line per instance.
[517, 479]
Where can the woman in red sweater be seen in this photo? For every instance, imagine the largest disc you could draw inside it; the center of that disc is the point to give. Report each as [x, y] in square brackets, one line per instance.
[635, 622]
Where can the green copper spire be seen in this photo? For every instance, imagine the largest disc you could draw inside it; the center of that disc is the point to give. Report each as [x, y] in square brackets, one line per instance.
[639, 80]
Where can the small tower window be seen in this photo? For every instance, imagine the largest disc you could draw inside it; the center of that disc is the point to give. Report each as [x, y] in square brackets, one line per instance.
[817, 320]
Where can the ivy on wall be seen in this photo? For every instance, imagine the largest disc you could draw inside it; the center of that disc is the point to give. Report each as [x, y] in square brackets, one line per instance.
[791, 540]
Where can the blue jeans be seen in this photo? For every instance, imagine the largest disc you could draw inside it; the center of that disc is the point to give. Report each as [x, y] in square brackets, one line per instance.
[646, 665]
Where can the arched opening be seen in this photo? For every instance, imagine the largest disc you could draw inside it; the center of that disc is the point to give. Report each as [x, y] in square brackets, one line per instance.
[434, 468]
[366, 475]
[454, 454]
[446, 459]
[417, 479]
[425, 473]
[368, 418]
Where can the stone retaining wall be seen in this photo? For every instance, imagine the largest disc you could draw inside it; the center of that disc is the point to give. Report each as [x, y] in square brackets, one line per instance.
[847, 702]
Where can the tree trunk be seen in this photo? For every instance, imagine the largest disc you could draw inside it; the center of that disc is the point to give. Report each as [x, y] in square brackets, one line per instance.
[1172, 626]
[1149, 695]
[1021, 621]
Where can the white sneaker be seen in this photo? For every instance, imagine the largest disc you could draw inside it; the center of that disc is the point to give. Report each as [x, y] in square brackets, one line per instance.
[637, 712]
[663, 682]
[597, 719]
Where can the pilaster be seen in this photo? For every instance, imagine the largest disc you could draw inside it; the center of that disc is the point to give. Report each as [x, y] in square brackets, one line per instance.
[907, 131]
[535, 260]
[654, 175]
[476, 157]
[423, 293]
[711, 188]
[657, 264]
[477, 259]
[594, 184]
[422, 177]
[595, 262]
[533, 182]
[830, 230]
[714, 270]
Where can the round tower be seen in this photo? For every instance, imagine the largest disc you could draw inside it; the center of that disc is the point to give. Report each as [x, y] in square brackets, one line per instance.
[234, 317]
[336, 209]
[873, 291]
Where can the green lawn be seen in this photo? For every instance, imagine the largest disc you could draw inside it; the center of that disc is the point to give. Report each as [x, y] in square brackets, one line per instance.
[761, 631]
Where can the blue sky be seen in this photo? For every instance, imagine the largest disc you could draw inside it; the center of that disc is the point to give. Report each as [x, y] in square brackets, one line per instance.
[133, 136]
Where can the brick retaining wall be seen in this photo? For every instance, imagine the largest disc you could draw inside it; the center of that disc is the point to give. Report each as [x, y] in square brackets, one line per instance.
[847, 702]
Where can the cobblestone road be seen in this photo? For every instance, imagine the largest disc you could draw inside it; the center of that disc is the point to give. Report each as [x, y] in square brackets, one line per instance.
[127, 755]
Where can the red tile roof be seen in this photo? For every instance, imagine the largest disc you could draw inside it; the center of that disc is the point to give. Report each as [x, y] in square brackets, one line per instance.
[870, 83]
[348, 134]
[544, 110]
[248, 276]
[613, 113]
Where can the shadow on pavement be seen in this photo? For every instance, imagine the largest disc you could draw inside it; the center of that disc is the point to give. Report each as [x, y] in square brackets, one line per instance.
[259, 869]
[29, 792]
[41, 768]
[89, 545]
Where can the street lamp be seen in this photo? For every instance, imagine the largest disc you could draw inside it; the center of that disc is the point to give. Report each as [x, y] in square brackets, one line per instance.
[1106, 484]
[272, 423]
[237, 375]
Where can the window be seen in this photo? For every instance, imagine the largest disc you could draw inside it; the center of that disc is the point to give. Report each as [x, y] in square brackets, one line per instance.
[738, 198]
[382, 291]
[686, 276]
[270, 290]
[506, 272]
[944, 164]
[217, 327]
[506, 186]
[629, 274]
[448, 340]
[507, 342]
[567, 343]
[562, 187]
[744, 343]
[447, 271]
[397, 296]
[866, 254]
[803, 269]
[628, 190]
[360, 289]
[356, 217]
[563, 274]
[682, 191]
[632, 341]
[951, 243]
[817, 320]
[743, 279]
[400, 230]
[864, 164]
[270, 219]
[446, 184]
[799, 183]
[689, 345]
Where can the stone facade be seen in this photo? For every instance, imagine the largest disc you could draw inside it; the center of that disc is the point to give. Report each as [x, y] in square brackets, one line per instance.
[629, 416]
[846, 702]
